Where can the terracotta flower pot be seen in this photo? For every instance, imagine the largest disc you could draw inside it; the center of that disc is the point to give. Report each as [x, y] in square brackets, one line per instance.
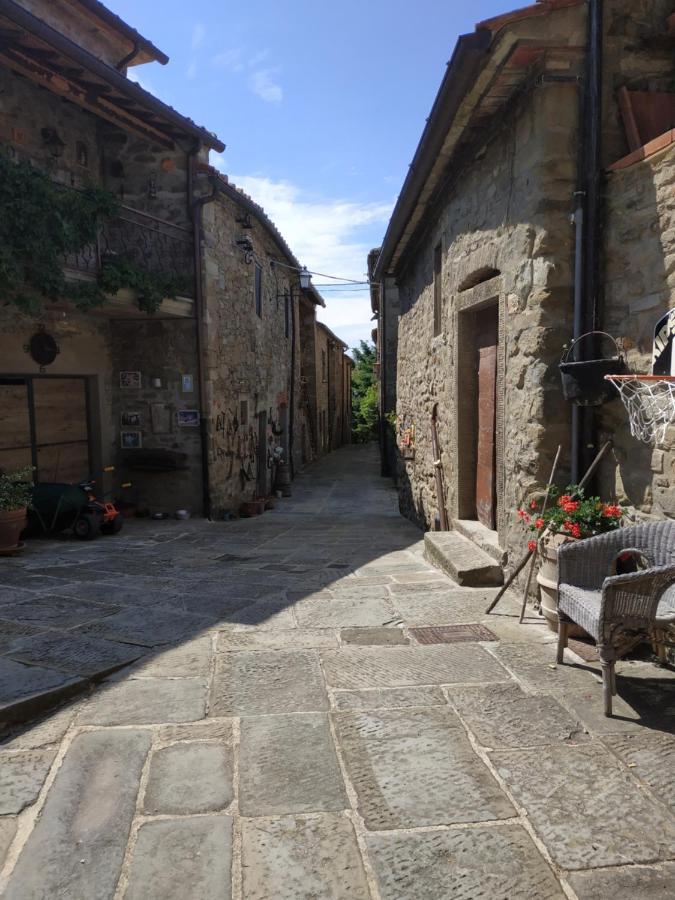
[547, 579]
[12, 523]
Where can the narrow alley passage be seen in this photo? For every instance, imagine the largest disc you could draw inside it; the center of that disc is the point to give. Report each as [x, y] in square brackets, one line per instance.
[309, 730]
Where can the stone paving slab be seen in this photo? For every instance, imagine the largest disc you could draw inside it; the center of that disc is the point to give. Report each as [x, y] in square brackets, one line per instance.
[203, 730]
[504, 716]
[22, 774]
[295, 639]
[265, 682]
[417, 767]
[485, 863]
[39, 733]
[260, 616]
[177, 859]
[341, 612]
[146, 701]
[456, 607]
[634, 883]
[389, 699]
[302, 857]
[12, 632]
[651, 756]
[56, 612]
[147, 627]
[122, 592]
[79, 840]
[73, 655]
[7, 832]
[288, 765]
[28, 688]
[214, 606]
[192, 658]
[366, 667]
[586, 807]
[384, 637]
[189, 778]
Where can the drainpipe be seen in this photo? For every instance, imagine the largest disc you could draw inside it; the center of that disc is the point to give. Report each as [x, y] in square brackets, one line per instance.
[588, 224]
[291, 412]
[382, 337]
[195, 207]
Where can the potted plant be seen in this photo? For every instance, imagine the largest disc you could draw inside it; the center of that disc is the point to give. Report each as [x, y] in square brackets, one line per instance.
[571, 516]
[15, 488]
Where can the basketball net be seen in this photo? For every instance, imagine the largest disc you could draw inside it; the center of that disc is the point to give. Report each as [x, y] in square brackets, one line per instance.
[650, 403]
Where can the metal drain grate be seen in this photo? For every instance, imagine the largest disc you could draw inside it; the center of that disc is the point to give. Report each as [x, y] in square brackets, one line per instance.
[452, 634]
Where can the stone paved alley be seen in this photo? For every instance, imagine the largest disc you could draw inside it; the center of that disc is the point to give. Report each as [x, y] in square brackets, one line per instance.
[298, 737]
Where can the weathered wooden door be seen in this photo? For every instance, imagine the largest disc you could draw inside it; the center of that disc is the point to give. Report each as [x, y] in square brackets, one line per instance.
[486, 341]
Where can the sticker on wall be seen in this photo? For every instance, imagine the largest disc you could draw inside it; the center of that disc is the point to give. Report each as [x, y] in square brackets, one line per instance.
[406, 439]
[131, 420]
[188, 384]
[130, 380]
[131, 440]
[188, 418]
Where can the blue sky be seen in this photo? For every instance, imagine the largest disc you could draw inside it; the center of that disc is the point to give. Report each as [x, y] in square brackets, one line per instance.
[321, 106]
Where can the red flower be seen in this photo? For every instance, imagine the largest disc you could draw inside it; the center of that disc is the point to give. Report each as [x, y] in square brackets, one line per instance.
[576, 530]
[533, 504]
[612, 512]
[562, 500]
[531, 546]
[539, 523]
[524, 516]
[571, 506]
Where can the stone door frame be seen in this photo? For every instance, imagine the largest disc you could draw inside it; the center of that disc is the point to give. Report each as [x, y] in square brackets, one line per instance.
[483, 295]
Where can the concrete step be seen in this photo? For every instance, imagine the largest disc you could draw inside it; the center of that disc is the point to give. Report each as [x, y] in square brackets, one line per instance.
[461, 559]
[482, 537]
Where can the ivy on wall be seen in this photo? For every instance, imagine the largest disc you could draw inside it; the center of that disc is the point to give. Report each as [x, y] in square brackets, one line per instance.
[41, 223]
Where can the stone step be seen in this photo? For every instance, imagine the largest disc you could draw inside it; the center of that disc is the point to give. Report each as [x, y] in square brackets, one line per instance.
[461, 559]
[482, 537]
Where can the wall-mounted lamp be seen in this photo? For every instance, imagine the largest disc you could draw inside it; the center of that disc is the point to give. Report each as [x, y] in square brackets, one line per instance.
[53, 142]
[157, 382]
[246, 244]
[305, 278]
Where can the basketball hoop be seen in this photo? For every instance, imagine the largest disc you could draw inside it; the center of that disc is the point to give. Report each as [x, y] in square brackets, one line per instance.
[650, 402]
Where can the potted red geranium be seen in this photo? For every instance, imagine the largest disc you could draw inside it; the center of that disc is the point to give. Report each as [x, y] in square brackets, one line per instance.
[569, 516]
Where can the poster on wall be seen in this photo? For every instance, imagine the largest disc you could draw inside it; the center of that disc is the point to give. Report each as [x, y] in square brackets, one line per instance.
[188, 418]
[130, 380]
[131, 440]
[131, 420]
[188, 384]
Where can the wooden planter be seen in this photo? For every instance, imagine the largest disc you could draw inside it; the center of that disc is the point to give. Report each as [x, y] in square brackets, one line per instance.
[547, 579]
[12, 523]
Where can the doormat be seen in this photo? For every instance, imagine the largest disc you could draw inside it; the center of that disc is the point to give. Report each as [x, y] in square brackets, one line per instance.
[586, 650]
[452, 634]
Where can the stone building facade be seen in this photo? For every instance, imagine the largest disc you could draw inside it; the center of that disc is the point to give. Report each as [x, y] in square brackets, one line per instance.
[173, 399]
[333, 390]
[474, 283]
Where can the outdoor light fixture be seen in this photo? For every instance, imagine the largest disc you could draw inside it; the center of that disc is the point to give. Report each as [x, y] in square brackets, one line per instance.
[246, 244]
[52, 141]
[305, 278]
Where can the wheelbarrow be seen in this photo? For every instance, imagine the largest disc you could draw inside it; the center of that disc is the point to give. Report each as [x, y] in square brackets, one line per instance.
[62, 507]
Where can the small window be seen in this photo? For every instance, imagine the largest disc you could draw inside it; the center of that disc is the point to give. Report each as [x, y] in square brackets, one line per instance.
[287, 315]
[243, 413]
[323, 365]
[438, 288]
[258, 290]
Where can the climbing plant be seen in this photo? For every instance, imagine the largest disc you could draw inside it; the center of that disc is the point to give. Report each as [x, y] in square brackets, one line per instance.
[41, 223]
[365, 409]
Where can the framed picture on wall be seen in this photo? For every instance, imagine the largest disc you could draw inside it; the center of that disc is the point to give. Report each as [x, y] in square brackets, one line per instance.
[131, 420]
[131, 440]
[130, 380]
[188, 385]
[188, 418]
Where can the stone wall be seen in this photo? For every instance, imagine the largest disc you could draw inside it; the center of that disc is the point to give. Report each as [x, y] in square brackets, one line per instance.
[322, 391]
[503, 226]
[639, 289]
[248, 356]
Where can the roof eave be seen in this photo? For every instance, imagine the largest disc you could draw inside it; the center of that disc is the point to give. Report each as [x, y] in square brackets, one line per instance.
[114, 21]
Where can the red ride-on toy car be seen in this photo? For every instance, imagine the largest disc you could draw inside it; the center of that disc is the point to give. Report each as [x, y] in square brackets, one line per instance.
[59, 507]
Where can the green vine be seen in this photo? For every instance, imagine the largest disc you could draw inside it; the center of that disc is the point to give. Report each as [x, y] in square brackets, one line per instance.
[41, 223]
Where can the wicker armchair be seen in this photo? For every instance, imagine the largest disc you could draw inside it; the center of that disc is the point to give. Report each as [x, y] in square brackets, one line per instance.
[616, 608]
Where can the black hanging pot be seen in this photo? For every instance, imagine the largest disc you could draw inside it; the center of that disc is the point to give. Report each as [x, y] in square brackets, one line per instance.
[583, 381]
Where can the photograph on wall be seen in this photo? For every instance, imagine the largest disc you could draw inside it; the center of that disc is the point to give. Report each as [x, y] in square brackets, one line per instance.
[188, 418]
[131, 420]
[131, 440]
[188, 384]
[130, 380]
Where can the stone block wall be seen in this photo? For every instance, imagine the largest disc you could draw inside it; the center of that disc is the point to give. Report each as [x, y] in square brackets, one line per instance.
[322, 389]
[503, 227]
[639, 289]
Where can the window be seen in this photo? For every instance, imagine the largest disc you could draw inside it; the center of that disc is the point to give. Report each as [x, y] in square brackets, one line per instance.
[243, 413]
[258, 290]
[323, 365]
[287, 315]
[438, 288]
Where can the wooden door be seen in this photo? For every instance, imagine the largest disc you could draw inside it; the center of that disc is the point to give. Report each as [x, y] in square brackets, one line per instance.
[486, 335]
[16, 450]
[61, 429]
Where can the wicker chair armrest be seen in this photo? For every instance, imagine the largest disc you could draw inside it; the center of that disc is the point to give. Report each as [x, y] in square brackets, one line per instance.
[633, 598]
[584, 563]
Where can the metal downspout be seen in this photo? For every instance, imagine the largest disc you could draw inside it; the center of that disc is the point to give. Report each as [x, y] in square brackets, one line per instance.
[291, 412]
[382, 335]
[196, 205]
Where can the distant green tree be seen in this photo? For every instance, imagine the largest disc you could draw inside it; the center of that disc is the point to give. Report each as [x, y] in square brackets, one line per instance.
[365, 408]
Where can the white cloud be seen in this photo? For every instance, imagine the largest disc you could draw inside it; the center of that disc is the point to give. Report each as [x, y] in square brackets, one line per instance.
[191, 71]
[198, 35]
[263, 85]
[327, 235]
[217, 160]
[232, 59]
[141, 81]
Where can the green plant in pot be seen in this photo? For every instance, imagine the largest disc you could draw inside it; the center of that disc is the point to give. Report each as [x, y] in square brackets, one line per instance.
[15, 493]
